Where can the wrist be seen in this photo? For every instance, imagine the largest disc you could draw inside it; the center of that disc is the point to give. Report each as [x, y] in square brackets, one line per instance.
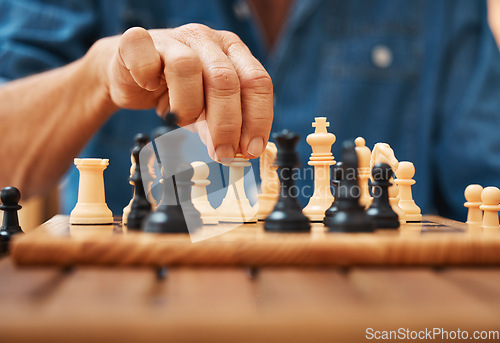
[93, 68]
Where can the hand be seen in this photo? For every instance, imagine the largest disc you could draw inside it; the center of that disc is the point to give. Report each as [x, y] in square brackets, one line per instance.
[198, 73]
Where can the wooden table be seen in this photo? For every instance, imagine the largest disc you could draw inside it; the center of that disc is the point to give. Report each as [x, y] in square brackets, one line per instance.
[235, 304]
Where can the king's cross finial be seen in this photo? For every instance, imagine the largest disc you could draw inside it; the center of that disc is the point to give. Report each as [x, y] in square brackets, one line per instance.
[320, 124]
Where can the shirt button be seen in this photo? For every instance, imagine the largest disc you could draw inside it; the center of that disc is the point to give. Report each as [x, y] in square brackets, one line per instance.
[382, 56]
[242, 10]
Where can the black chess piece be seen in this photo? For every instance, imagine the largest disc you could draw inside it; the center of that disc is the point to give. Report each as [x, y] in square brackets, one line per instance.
[287, 214]
[336, 177]
[350, 216]
[140, 206]
[176, 212]
[381, 210]
[10, 197]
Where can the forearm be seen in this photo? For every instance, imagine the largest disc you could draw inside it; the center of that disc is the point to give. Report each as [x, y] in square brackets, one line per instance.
[46, 120]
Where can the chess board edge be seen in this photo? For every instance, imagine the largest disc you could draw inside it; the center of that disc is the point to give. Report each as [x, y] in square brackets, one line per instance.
[252, 246]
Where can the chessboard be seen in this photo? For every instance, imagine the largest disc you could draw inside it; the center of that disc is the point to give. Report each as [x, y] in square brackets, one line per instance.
[435, 241]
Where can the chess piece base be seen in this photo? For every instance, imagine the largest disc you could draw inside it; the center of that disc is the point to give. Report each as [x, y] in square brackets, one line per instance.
[282, 219]
[85, 213]
[236, 211]
[350, 221]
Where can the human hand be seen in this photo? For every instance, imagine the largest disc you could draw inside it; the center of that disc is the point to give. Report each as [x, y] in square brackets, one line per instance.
[198, 73]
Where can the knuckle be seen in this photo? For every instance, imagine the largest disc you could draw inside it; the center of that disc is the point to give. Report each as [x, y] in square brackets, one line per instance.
[195, 29]
[258, 80]
[185, 65]
[224, 79]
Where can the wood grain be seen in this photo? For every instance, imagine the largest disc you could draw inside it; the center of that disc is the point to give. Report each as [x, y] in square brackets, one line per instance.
[438, 243]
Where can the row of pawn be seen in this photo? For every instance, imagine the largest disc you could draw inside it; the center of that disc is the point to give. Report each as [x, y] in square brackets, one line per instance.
[483, 206]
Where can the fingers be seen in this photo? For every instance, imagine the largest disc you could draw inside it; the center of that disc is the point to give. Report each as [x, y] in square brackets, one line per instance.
[221, 90]
[139, 55]
[256, 95]
[184, 77]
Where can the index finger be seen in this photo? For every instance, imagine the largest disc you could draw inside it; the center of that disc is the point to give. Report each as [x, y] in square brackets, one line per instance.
[256, 95]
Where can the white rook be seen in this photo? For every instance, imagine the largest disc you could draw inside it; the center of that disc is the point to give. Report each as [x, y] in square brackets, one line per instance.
[91, 207]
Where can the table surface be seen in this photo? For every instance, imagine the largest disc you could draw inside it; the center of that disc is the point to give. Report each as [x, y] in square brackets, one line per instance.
[112, 304]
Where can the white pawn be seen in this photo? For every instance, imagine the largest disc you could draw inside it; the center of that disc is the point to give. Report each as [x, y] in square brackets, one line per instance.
[404, 174]
[91, 207]
[473, 196]
[321, 158]
[199, 193]
[490, 196]
[235, 208]
[270, 183]
[394, 201]
[364, 155]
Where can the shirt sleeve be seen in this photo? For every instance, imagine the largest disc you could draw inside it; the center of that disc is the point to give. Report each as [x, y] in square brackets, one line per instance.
[38, 35]
[468, 144]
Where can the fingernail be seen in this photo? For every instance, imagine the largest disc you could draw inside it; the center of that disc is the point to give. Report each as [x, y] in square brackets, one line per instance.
[256, 147]
[153, 84]
[224, 154]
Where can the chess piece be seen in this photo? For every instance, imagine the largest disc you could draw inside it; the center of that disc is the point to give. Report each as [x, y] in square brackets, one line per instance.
[321, 158]
[175, 212]
[140, 140]
[91, 207]
[350, 215]
[336, 177]
[270, 184]
[404, 174]
[199, 193]
[490, 196]
[140, 206]
[473, 196]
[235, 207]
[381, 210]
[10, 197]
[383, 153]
[287, 215]
[364, 157]
[394, 201]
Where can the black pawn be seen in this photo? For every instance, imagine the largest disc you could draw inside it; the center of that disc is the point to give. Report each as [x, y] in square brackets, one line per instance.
[140, 206]
[381, 210]
[287, 215]
[176, 212]
[336, 177]
[10, 197]
[350, 216]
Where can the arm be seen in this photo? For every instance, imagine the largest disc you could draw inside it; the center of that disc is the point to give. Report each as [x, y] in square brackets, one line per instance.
[46, 119]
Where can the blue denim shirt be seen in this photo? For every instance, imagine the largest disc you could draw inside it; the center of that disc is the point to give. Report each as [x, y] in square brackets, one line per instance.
[421, 75]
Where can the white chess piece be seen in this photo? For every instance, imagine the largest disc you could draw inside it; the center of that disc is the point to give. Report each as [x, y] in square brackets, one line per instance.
[404, 174]
[490, 196]
[270, 183]
[235, 208]
[199, 193]
[394, 201]
[383, 153]
[364, 156]
[91, 207]
[321, 158]
[473, 196]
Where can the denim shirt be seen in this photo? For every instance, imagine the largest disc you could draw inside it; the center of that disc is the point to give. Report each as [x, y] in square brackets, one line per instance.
[421, 75]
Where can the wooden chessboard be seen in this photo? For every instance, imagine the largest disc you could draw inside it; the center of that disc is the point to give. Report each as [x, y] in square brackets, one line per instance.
[434, 242]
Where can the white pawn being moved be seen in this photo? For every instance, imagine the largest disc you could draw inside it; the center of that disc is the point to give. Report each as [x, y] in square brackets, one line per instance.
[490, 197]
[473, 203]
[236, 208]
[199, 193]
